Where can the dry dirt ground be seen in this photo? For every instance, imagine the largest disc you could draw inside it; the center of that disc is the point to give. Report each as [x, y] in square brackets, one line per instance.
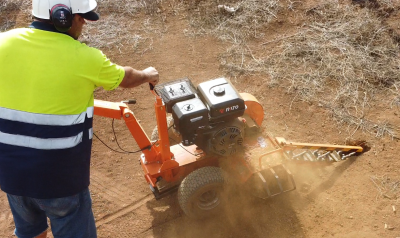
[356, 198]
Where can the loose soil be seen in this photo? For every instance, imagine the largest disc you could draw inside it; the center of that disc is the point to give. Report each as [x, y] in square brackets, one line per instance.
[346, 200]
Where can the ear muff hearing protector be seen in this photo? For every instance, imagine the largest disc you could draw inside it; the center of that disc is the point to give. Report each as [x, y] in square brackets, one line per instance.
[61, 16]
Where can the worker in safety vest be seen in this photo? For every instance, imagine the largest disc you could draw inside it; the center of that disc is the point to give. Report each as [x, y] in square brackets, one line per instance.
[47, 79]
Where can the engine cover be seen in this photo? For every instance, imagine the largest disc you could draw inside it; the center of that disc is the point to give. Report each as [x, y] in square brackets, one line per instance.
[228, 139]
[188, 116]
[222, 99]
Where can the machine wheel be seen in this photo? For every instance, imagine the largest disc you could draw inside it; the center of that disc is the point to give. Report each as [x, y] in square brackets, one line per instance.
[174, 138]
[199, 194]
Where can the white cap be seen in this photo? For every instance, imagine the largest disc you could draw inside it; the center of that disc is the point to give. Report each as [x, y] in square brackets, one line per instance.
[41, 8]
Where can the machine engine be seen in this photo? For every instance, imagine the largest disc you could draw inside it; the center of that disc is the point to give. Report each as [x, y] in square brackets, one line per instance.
[207, 116]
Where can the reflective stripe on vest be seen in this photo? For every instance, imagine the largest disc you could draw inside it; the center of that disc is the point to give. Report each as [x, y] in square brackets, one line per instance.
[44, 120]
[90, 133]
[39, 143]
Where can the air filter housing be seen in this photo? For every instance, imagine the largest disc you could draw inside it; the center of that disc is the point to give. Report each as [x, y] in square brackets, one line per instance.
[222, 99]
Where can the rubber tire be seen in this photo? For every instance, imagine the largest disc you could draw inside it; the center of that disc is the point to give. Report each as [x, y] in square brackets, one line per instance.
[201, 182]
[174, 139]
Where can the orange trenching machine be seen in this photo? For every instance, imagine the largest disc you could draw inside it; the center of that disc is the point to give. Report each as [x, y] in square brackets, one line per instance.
[201, 128]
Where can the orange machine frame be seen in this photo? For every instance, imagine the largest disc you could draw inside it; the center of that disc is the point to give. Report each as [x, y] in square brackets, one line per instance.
[162, 162]
[159, 159]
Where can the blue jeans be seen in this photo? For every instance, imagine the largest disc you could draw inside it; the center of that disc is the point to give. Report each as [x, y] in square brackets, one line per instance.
[70, 217]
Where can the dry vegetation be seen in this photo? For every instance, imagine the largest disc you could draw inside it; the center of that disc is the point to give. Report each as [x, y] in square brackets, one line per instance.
[340, 58]
[7, 21]
[248, 21]
[118, 28]
[386, 187]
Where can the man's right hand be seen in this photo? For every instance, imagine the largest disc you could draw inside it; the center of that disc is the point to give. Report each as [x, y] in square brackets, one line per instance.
[151, 75]
[134, 78]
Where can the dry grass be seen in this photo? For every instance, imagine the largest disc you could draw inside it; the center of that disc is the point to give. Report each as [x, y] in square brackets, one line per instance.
[128, 7]
[118, 35]
[119, 32]
[387, 187]
[7, 21]
[9, 5]
[110, 34]
[247, 22]
[381, 7]
[396, 92]
[340, 59]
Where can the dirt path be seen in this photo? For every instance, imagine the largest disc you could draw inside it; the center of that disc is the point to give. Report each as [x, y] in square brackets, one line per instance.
[351, 199]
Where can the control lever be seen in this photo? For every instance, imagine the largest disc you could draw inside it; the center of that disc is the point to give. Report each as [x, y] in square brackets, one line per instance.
[130, 101]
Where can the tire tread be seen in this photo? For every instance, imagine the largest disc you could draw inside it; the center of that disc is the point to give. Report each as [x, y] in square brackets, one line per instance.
[193, 182]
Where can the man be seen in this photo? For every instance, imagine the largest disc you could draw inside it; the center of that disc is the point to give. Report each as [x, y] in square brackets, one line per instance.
[47, 79]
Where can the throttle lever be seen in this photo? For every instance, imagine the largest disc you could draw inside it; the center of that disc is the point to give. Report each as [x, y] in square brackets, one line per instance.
[130, 101]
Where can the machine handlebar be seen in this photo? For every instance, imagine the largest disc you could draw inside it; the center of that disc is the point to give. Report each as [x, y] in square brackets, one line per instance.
[151, 86]
[130, 101]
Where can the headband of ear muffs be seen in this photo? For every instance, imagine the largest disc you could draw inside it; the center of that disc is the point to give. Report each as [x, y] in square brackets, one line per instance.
[61, 16]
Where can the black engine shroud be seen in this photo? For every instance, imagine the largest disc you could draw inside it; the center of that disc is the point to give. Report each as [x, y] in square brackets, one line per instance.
[206, 116]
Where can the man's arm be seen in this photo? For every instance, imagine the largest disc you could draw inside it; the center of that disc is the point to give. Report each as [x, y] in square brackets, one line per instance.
[134, 78]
